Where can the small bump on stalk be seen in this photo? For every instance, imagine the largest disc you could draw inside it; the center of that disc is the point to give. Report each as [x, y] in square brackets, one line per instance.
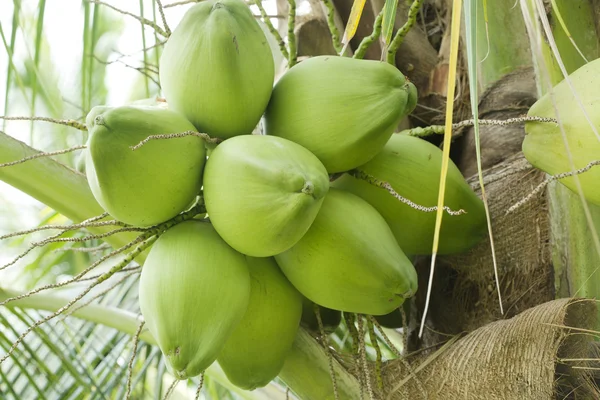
[309, 188]
[99, 120]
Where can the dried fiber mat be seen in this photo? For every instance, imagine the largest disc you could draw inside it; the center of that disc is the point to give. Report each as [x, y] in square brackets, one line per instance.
[524, 357]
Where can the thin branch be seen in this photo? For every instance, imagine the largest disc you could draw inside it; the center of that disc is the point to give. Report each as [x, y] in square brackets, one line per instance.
[146, 239]
[386, 339]
[408, 367]
[171, 389]
[91, 250]
[78, 276]
[61, 310]
[180, 3]
[144, 21]
[65, 122]
[272, 29]
[350, 319]
[547, 181]
[43, 154]
[122, 55]
[124, 270]
[141, 70]
[385, 185]
[378, 360]
[363, 355]
[204, 136]
[136, 339]
[199, 389]
[404, 329]
[324, 343]
[293, 59]
[162, 16]
[369, 40]
[335, 33]
[64, 228]
[96, 218]
[403, 31]
[27, 251]
[103, 292]
[439, 129]
[87, 238]
[147, 65]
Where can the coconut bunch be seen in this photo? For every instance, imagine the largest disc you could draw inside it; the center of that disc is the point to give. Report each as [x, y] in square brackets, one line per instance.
[278, 238]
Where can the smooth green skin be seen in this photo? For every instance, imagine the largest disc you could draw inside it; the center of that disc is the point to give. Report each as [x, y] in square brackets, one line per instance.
[152, 184]
[80, 161]
[341, 109]
[194, 291]
[253, 191]
[349, 260]
[413, 97]
[256, 350]
[412, 166]
[544, 145]
[330, 318]
[217, 68]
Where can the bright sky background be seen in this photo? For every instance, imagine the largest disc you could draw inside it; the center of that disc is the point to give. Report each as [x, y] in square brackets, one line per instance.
[63, 27]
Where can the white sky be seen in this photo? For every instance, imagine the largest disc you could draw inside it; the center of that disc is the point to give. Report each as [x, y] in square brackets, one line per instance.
[63, 27]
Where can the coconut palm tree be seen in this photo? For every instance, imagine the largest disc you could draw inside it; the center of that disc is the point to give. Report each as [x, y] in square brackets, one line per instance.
[512, 318]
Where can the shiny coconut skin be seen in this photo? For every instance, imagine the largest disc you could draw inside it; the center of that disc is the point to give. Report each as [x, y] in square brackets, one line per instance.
[217, 68]
[412, 166]
[149, 185]
[343, 110]
[262, 193]
[349, 259]
[194, 291]
[544, 144]
[255, 352]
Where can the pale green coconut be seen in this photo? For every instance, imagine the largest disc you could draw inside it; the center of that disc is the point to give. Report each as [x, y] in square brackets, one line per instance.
[262, 192]
[255, 352]
[194, 291]
[349, 259]
[544, 145]
[152, 184]
[217, 68]
[342, 109]
[412, 166]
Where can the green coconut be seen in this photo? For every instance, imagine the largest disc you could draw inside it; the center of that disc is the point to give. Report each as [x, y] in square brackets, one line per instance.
[349, 260]
[217, 68]
[341, 109]
[263, 192]
[149, 185]
[194, 291]
[544, 145]
[80, 161]
[329, 318]
[412, 167]
[255, 352]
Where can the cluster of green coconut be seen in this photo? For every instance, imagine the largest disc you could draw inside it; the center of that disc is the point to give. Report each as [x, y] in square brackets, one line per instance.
[229, 286]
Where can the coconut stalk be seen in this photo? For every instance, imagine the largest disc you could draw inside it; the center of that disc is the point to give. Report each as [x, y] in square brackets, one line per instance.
[67, 191]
